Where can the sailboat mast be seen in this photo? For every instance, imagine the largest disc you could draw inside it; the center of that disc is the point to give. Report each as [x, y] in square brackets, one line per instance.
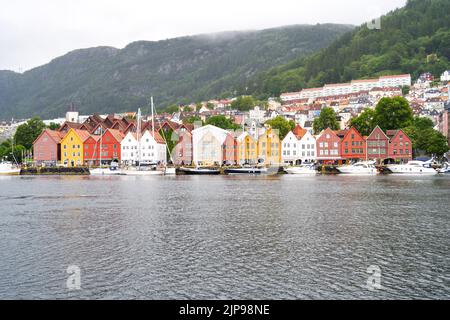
[138, 135]
[153, 118]
[101, 144]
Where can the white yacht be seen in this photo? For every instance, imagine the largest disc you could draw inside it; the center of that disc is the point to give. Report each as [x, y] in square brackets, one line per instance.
[415, 167]
[445, 169]
[7, 168]
[360, 168]
[302, 169]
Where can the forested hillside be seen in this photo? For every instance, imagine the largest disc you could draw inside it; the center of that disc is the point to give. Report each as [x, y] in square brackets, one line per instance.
[413, 39]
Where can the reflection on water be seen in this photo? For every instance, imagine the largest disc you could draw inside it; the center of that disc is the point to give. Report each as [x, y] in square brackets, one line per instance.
[279, 237]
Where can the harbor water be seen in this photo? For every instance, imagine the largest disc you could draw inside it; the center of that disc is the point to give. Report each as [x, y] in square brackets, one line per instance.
[225, 237]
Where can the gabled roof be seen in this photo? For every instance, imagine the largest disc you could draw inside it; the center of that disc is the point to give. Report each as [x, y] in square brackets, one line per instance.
[56, 136]
[116, 134]
[158, 138]
[353, 129]
[82, 134]
[299, 132]
[377, 128]
[94, 137]
[70, 125]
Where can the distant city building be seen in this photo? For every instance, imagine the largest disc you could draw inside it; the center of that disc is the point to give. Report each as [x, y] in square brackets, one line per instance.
[348, 88]
[445, 76]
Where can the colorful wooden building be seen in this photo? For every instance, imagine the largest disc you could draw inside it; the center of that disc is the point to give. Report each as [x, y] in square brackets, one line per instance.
[353, 146]
[72, 147]
[400, 146]
[328, 147]
[47, 148]
[247, 149]
[269, 147]
[377, 145]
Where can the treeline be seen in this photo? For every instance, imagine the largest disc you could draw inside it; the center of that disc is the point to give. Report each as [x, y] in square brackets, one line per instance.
[413, 39]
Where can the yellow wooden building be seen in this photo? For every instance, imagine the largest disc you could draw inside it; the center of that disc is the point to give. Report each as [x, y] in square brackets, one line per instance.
[247, 152]
[72, 147]
[269, 147]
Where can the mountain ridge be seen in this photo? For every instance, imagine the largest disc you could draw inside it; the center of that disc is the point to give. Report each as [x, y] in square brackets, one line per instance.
[184, 69]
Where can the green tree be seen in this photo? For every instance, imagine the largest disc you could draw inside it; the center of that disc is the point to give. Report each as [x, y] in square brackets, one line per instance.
[393, 113]
[282, 125]
[243, 103]
[222, 122]
[425, 139]
[192, 119]
[28, 132]
[6, 151]
[327, 119]
[422, 123]
[432, 142]
[364, 123]
[53, 126]
[171, 109]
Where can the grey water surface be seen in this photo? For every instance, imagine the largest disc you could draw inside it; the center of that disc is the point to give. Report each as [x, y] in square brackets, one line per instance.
[223, 237]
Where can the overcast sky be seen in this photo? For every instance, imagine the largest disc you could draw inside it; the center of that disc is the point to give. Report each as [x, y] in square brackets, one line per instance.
[33, 32]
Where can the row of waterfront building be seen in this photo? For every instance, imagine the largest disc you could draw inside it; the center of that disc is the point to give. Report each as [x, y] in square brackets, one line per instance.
[118, 139]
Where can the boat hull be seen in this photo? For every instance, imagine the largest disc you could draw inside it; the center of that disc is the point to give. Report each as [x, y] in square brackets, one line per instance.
[12, 172]
[412, 171]
[368, 171]
[300, 171]
[143, 173]
[170, 171]
[105, 172]
[189, 171]
[246, 171]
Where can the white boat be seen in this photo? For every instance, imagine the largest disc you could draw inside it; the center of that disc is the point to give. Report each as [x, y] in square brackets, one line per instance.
[170, 171]
[414, 167]
[144, 171]
[7, 168]
[359, 168]
[111, 171]
[303, 169]
[445, 169]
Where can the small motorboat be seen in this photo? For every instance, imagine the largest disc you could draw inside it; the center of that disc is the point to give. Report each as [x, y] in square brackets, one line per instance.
[359, 168]
[445, 169]
[414, 167]
[198, 171]
[303, 169]
[246, 170]
[7, 168]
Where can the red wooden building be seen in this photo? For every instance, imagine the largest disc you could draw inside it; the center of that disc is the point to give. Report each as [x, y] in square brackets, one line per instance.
[353, 146]
[378, 145]
[400, 146]
[229, 148]
[328, 147]
[109, 144]
[47, 147]
[91, 147]
[182, 152]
